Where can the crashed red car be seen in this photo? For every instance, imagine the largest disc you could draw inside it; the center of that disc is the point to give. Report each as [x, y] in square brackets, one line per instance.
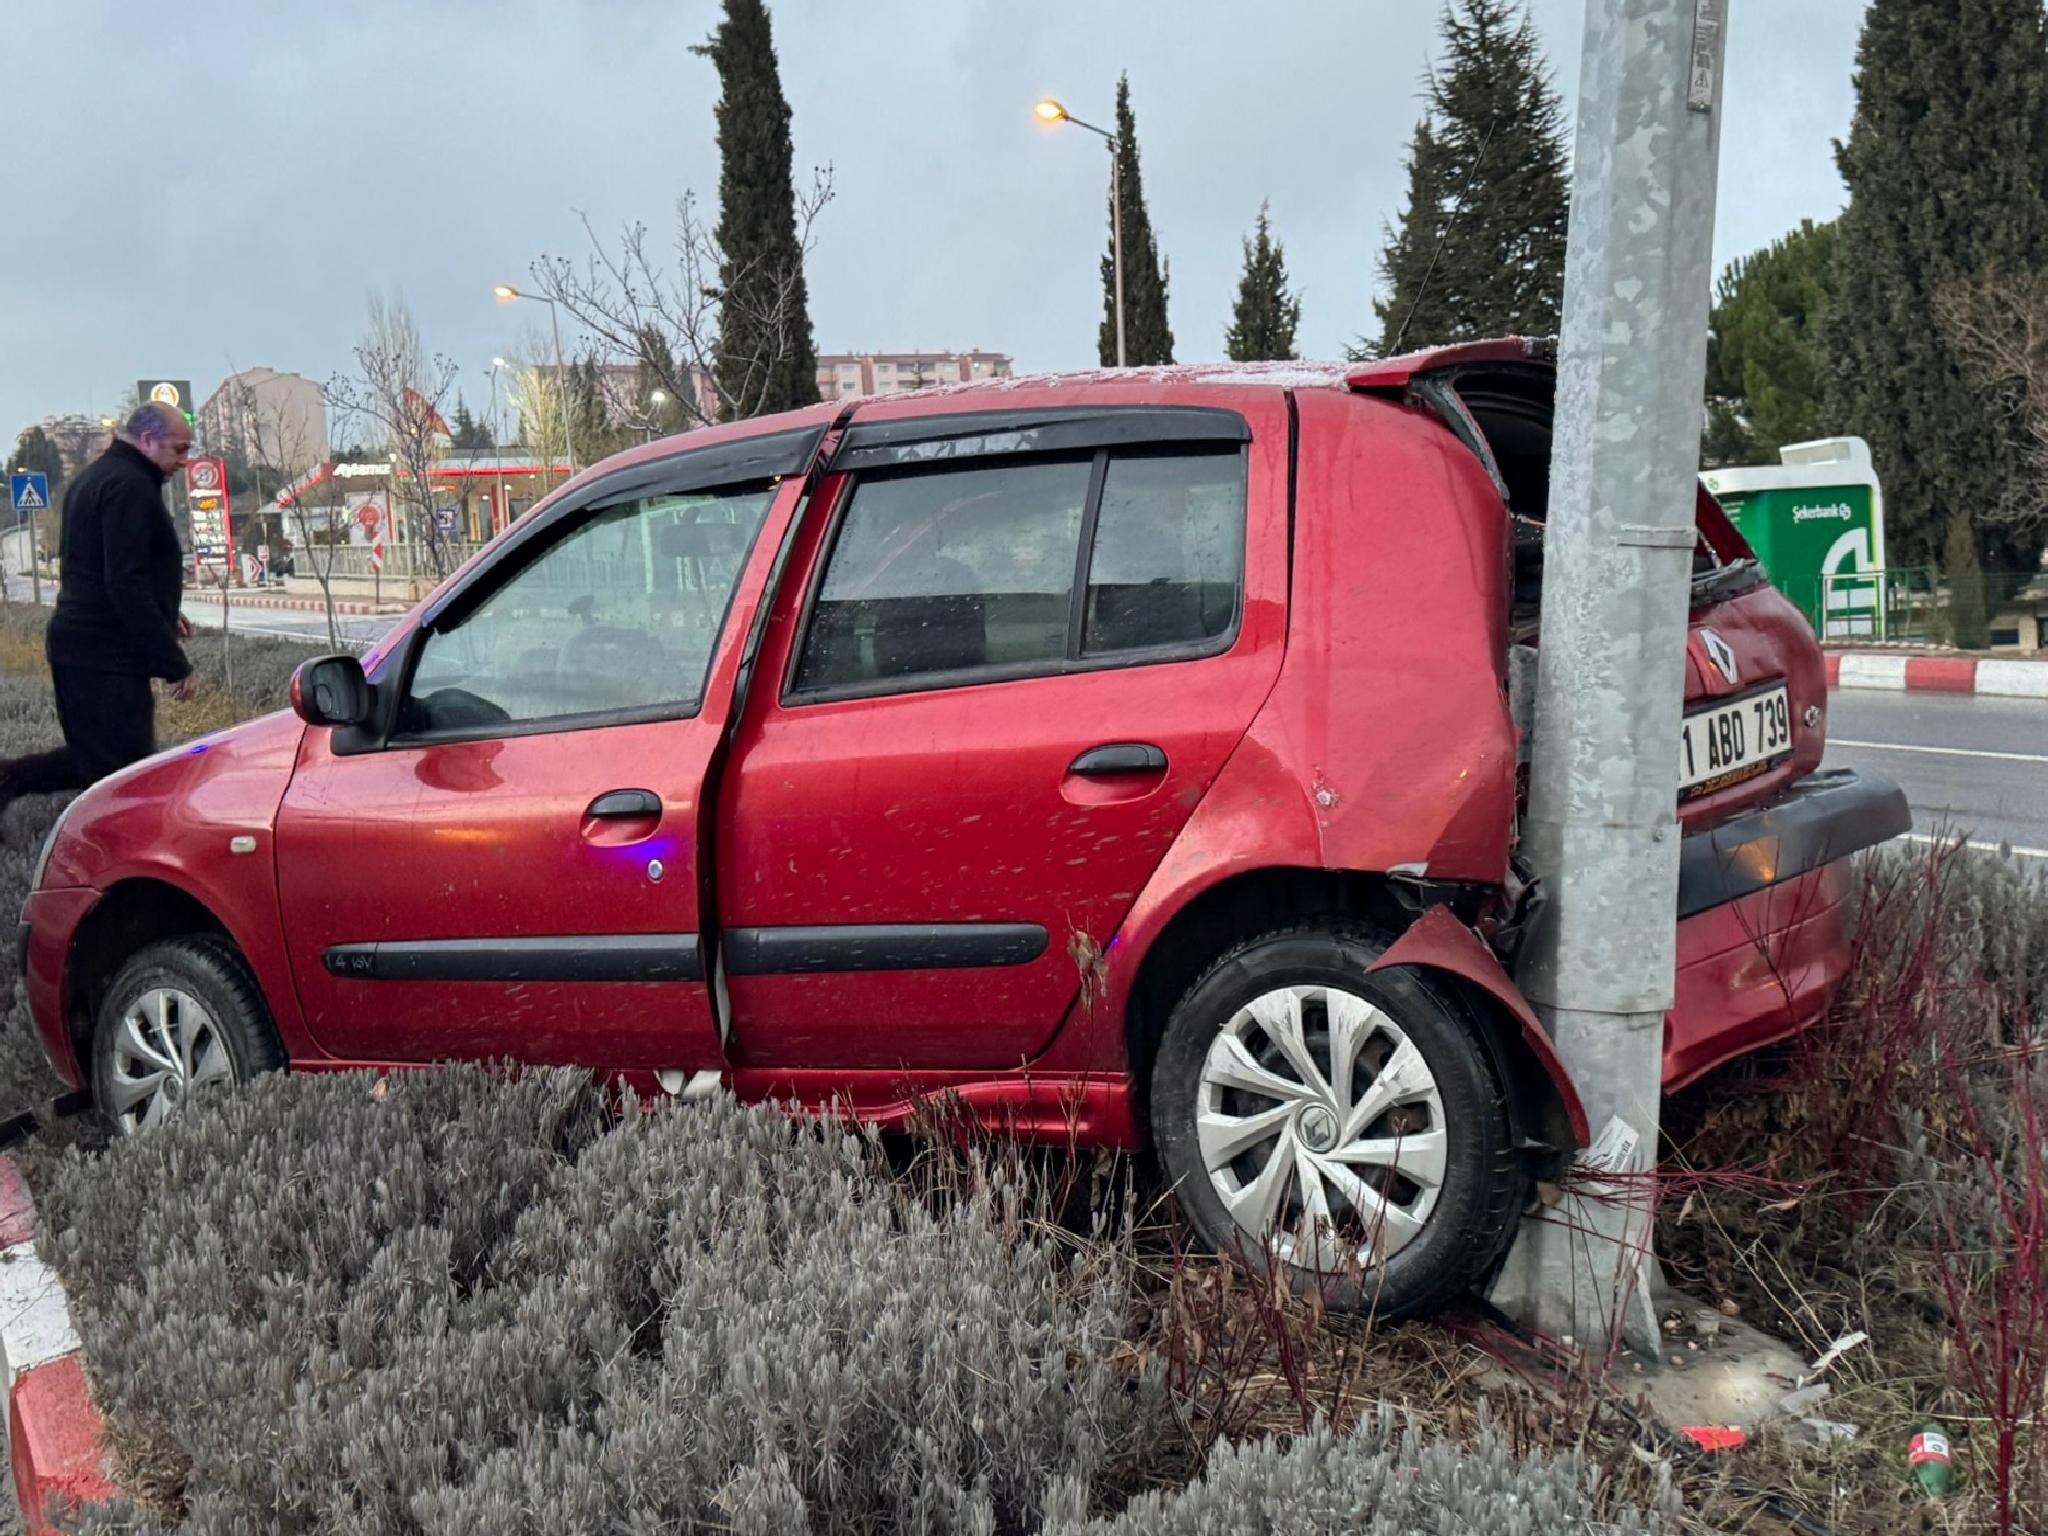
[1134, 756]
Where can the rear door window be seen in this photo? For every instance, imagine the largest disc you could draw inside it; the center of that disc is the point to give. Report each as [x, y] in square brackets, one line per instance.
[1169, 552]
[1009, 568]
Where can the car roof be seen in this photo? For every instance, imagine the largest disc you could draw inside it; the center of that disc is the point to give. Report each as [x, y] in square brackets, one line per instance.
[1107, 386]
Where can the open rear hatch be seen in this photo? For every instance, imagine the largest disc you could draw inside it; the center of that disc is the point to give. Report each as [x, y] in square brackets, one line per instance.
[1755, 687]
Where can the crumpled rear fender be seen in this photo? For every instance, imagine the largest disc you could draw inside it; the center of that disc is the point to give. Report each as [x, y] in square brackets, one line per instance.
[1437, 941]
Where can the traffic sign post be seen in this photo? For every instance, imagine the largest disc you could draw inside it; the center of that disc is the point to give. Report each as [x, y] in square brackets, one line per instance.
[30, 493]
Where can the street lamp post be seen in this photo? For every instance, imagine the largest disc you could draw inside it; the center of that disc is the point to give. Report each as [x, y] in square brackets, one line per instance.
[656, 398]
[501, 515]
[1051, 111]
[508, 293]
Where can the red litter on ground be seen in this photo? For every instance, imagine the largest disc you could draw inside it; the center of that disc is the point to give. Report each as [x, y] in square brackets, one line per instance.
[1711, 1438]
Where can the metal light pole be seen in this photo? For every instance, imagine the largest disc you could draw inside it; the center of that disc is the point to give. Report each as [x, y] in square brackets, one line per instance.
[656, 398]
[508, 293]
[1051, 111]
[1601, 830]
[501, 515]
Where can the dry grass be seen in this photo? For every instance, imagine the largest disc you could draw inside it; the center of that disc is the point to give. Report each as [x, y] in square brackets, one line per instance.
[1906, 1153]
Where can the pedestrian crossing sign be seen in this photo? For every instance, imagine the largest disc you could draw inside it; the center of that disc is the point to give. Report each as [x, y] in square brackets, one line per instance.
[31, 491]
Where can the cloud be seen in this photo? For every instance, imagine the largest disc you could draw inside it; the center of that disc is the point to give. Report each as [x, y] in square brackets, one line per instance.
[228, 188]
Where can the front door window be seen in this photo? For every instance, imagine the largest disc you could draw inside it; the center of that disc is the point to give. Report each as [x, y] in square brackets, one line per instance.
[617, 618]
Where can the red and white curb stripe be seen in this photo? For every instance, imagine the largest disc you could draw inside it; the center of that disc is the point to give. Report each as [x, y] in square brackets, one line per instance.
[54, 1433]
[297, 605]
[1991, 676]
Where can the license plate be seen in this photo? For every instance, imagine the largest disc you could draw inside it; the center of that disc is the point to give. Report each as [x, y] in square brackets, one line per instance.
[1730, 742]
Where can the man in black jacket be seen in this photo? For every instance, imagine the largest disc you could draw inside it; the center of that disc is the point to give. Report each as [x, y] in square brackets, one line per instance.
[117, 623]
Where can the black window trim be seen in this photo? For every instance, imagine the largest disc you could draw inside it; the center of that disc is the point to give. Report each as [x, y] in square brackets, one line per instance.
[1075, 661]
[679, 475]
[744, 461]
[928, 440]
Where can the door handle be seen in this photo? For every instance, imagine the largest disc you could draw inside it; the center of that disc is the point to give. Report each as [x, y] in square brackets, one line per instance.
[621, 804]
[1118, 757]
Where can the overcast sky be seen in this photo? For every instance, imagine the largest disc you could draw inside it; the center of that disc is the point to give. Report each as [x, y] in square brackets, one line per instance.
[221, 182]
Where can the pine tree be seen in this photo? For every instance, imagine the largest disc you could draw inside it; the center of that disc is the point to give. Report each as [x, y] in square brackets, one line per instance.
[1766, 372]
[1947, 167]
[1147, 335]
[766, 359]
[1267, 312]
[34, 451]
[1480, 247]
[658, 376]
[465, 430]
[597, 430]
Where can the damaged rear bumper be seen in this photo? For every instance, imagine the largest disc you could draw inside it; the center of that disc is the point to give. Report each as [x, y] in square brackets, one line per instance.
[1823, 818]
[1763, 936]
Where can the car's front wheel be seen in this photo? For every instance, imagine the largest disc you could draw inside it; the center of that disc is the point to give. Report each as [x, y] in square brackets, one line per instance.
[183, 1017]
[1351, 1126]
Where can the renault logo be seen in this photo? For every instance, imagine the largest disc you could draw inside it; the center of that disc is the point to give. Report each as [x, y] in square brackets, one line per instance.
[1318, 1128]
[1722, 656]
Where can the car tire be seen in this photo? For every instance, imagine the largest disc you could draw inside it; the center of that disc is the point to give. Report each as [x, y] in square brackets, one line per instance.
[182, 1016]
[1417, 1199]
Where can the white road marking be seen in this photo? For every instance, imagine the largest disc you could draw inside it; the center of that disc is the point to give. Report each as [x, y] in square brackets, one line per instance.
[1900, 746]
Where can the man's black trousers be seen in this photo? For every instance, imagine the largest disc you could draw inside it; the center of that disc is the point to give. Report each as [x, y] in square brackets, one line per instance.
[109, 721]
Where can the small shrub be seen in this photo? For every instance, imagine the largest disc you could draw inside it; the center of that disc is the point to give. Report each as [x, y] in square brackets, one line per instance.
[1380, 1480]
[458, 1305]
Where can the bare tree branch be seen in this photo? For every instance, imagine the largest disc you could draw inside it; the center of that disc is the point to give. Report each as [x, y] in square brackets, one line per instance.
[1998, 324]
[401, 390]
[667, 314]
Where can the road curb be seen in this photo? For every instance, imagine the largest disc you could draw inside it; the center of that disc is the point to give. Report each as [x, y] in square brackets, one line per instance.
[200, 600]
[55, 1435]
[1988, 675]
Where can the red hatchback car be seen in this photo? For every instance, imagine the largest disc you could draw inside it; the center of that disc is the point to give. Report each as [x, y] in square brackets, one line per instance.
[1134, 756]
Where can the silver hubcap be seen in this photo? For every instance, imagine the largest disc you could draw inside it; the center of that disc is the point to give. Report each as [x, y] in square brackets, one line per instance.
[166, 1046]
[1321, 1127]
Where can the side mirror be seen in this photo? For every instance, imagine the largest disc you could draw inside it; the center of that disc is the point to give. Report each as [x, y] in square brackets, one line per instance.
[331, 690]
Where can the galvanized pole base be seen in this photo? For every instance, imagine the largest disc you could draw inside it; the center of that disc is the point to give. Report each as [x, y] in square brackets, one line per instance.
[1601, 830]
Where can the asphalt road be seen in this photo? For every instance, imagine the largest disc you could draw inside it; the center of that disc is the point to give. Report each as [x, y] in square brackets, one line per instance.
[287, 624]
[1971, 765]
[280, 623]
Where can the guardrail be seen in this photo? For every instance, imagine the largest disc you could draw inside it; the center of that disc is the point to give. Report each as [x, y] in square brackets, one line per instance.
[352, 561]
[1894, 603]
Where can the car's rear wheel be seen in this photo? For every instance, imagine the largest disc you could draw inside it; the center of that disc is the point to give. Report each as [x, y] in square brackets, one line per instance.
[184, 1017]
[1351, 1127]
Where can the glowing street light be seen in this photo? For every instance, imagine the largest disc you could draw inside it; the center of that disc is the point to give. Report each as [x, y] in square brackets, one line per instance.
[1051, 111]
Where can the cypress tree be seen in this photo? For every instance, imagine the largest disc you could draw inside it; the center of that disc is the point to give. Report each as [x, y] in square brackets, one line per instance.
[766, 359]
[1766, 371]
[1147, 335]
[1267, 312]
[1963, 574]
[1480, 248]
[1946, 161]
